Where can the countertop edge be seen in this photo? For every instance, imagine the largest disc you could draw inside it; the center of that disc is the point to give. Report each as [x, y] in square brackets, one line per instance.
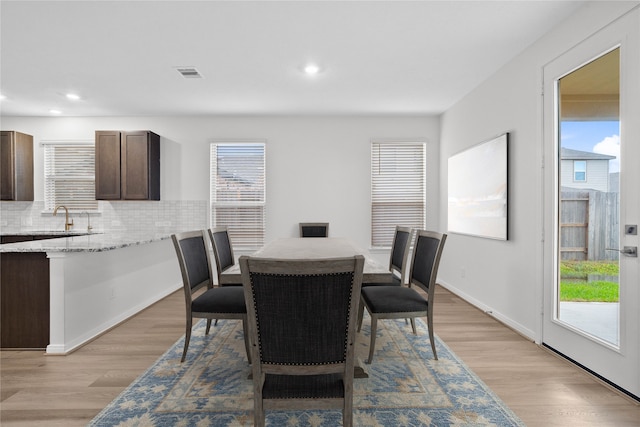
[85, 243]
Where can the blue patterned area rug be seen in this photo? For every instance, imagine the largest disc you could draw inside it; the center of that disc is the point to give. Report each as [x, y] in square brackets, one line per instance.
[406, 387]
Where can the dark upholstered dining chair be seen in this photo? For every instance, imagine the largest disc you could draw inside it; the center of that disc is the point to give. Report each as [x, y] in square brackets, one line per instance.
[397, 263]
[404, 302]
[214, 302]
[302, 320]
[399, 256]
[314, 229]
[222, 252]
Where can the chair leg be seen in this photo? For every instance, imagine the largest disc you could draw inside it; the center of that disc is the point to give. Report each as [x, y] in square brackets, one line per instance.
[347, 407]
[187, 338]
[347, 413]
[206, 332]
[360, 315]
[258, 408]
[372, 345]
[413, 326]
[247, 344]
[431, 338]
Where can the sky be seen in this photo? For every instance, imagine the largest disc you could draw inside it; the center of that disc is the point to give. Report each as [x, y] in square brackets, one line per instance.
[597, 137]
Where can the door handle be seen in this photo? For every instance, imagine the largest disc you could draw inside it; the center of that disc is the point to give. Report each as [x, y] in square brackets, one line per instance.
[630, 251]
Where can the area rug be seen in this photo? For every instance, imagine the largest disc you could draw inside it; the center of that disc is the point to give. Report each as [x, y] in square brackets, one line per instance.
[406, 387]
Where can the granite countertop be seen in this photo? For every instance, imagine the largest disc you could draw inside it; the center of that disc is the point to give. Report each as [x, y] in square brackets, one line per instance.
[94, 242]
[60, 233]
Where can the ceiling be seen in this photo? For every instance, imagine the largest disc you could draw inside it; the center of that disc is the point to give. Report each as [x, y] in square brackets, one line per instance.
[375, 57]
[592, 92]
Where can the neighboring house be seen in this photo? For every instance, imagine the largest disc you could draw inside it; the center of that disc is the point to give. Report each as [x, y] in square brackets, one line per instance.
[584, 170]
[614, 182]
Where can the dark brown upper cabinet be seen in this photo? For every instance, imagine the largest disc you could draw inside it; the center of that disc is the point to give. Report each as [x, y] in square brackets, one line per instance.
[16, 166]
[127, 165]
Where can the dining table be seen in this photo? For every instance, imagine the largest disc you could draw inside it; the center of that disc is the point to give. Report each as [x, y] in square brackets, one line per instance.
[300, 248]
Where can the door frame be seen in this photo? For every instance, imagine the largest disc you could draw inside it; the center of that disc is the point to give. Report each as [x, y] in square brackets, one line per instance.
[615, 365]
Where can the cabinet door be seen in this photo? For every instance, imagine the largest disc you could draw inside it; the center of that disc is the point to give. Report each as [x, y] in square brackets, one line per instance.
[6, 166]
[24, 300]
[140, 166]
[16, 166]
[23, 146]
[135, 166]
[107, 165]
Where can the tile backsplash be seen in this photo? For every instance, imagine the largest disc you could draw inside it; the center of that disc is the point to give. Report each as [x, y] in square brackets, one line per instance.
[116, 216]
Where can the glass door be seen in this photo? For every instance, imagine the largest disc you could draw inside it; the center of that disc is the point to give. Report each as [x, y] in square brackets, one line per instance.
[588, 121]
[592, 156]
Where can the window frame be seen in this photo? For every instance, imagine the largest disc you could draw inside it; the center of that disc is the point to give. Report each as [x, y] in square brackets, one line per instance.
[237, 232]
[577, 170]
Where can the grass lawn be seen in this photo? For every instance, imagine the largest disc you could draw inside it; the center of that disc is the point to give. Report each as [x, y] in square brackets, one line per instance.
[575, 287]
[593, 291]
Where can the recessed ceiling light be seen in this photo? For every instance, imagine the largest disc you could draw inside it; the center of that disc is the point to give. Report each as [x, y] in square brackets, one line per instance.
[73, 96]
[311, 69]
[55, 111]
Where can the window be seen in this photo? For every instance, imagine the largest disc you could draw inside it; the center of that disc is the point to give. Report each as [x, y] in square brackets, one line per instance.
[238, 191]
[579, 170]
[398, 189]
[69, 175]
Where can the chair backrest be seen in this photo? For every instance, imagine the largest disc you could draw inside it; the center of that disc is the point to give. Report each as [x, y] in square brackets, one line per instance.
[426, 259]
[302, 313]
[314, 229]
[400, 251]
[194, 260]
[222, 249]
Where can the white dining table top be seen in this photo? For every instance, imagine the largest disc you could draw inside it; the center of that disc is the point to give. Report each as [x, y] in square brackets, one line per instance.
[314, 248]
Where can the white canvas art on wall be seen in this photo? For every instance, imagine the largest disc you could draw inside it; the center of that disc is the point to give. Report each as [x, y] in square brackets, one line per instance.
[478, 190]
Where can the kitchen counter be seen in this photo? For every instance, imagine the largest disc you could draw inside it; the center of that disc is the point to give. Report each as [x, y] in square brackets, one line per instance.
[94, 281]
[60, 233]
[71, 242]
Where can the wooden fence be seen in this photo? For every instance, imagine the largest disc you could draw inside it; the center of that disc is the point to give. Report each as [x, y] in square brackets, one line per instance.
[589, 224]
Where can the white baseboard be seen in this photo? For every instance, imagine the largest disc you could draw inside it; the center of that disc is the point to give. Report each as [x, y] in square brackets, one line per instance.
[91, 335]
[91, 292]
[525, 332]
[55, 349]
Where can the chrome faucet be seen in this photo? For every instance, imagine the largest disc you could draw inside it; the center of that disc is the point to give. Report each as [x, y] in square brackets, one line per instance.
[89, 227]
[67, 224]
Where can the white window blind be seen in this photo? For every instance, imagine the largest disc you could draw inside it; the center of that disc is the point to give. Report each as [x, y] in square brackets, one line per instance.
[238, 191]
[69, 175]
[398, 189]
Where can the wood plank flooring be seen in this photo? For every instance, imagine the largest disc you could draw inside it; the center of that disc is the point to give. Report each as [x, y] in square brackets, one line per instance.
[541, 388]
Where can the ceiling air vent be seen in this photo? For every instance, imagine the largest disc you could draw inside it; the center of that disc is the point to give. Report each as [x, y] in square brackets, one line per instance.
[189, 72]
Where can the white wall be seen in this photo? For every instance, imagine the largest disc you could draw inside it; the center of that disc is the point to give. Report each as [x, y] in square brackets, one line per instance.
[505, 277]
[317, 167]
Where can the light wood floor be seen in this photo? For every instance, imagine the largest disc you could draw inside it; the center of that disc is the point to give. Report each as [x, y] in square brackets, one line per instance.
[542, 389]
